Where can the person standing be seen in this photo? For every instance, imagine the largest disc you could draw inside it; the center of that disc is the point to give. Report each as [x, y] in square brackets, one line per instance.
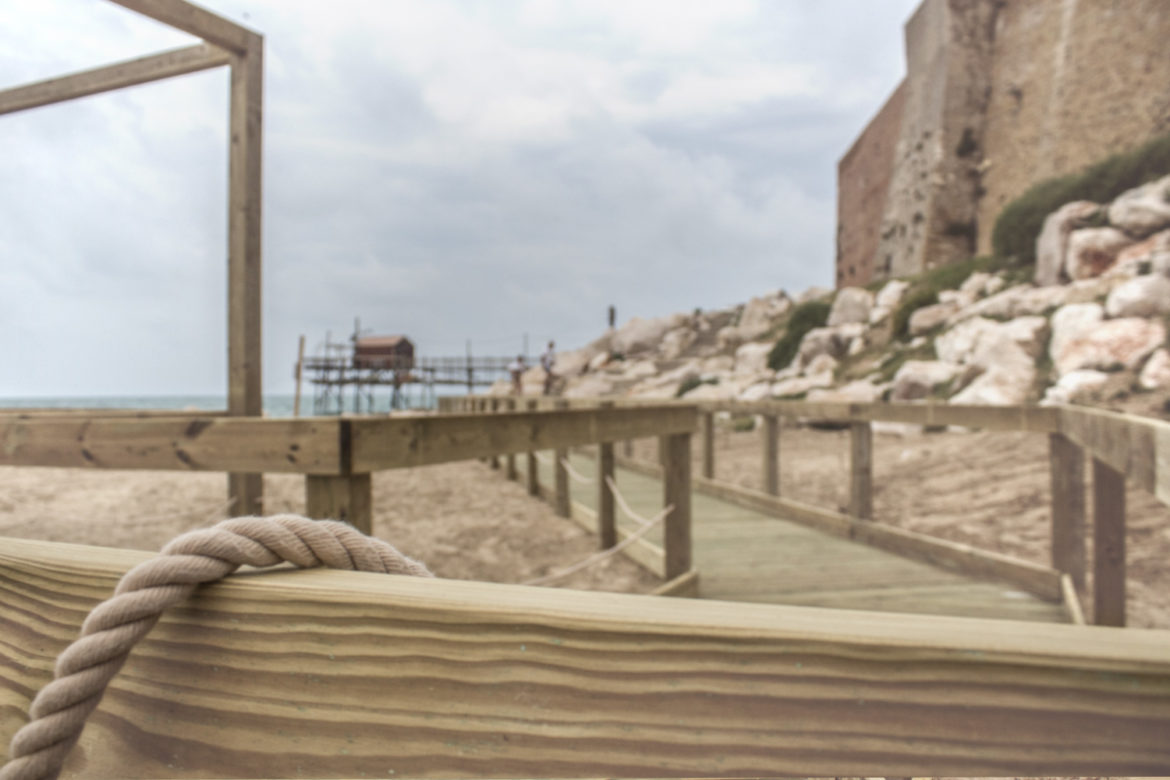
[516, 369]
[547, 360]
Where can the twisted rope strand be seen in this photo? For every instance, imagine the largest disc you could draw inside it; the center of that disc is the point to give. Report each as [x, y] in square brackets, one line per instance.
[84, 669]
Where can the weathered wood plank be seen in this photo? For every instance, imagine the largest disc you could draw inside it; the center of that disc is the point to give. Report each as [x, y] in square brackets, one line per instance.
[194, 20]
[770, 460]
[305, 446]
[1067, 467]
[142, 70]
[606, 517]
[1071, 601]
[1127, 443]
[708, 437]
[682, 586]
[1108, 545]
[437, 678]
[348, 499]
[676, 494]
[419, 441]
[861, 470]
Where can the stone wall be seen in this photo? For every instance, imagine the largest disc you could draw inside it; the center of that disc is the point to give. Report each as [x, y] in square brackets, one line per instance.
[999, 94]
[863, 178]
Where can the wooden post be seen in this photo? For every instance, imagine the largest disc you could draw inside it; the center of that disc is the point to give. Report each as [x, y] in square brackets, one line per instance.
[510, 460]
[1108, 545]
[606, 523]
[771, 455]
[346, 498]
[561, 474]
[245, 397]
[861, 471]
[709, 445]
[533, 466]
[676, 492]
[300, 373]
[1066, 463]
[628, 448]
[494, 406]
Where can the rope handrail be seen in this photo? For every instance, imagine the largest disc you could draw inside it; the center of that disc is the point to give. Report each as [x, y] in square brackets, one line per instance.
[621, 500]
[600, 556]
[86, 667]
[576, 475]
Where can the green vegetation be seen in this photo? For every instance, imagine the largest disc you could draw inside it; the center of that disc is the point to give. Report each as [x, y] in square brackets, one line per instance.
[1019, 224]
[805, 317]
[916, 298]
[687, 385]
[897, 358]
[743, 424]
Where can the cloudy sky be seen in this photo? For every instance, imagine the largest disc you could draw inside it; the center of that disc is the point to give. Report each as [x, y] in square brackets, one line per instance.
[448, 170]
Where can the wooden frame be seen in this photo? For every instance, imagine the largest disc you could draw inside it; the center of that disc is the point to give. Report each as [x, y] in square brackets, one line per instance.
[225, 43]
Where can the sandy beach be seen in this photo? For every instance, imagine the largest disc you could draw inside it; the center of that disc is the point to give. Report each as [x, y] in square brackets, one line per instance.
[990, 490]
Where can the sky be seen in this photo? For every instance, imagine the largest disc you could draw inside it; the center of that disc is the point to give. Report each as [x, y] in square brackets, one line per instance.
[450, 170]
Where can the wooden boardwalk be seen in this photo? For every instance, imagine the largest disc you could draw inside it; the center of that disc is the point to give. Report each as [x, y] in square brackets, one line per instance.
[745, 555]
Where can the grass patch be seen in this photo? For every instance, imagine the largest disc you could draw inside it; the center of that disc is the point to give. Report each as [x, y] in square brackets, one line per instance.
[1019, 224]
[687, 385]
[896, 359]
[805, 317]
[743, 424]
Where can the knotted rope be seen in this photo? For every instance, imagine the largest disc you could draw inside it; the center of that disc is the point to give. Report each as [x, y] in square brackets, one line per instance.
[85, 668]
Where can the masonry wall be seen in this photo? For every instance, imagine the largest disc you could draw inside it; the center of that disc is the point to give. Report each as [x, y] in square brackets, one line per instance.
[999, 94]
[863, 180]
[1072, 82]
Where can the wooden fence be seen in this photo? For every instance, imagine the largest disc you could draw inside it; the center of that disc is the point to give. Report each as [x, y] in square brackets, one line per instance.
[1120, 446]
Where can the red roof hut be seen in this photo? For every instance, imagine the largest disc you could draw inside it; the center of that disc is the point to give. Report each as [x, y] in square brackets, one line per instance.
[389, 352]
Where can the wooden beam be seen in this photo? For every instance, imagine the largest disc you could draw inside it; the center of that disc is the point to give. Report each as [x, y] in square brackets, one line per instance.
[420, 441]
[301, 446]
[1108, 545]
[1067, 466]
[682, 586]
[708, 435]
[298, 375]
[155, 67]
[1071, 601]
[676, 493]
[196, 21]
[641, 551]
[340, 674]
[770, 460]
[245, 395]
[861, 470]
[1137, 447]
[1040, 419]
[348, 499]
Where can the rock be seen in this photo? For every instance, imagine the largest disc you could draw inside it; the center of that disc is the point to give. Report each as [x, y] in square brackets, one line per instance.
[1052, 244]
[956, 297]
[598, 362]
[1073, 386]
[1007, 383]
[859, 392]
[1014, 302]
[994, 285]
[752, 359]
[756, 392]
[676, 342]
[853, 304]
[1093, 251]
[812, 294]
[820, 364]
[821, 341]
[728, 338]
[1156, 373]
[802, 384]
[1029, 333]
[1081, 338]
[957, 344]
[589, 386]
[887, 300]
[975, 285]
[1089, 290]
[1143, 210]
[919, 378]
[1143, 296]
[760, 314]
[720, 364]
[709, 392]
[639, 335]
[928, 318]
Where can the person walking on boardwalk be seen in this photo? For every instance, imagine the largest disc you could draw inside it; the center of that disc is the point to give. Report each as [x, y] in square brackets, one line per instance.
[546, 362]
[516, 368]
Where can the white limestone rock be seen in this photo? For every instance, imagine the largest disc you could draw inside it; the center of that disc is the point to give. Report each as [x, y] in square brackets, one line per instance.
[1007, 383]
[887, 300]
[752, 359]
[802, 384]
[719, 364]
[853, 304]
[1093, 251]
[975, 285]
[820, 364]
[1052, 244]
[1082, 338]
[760, 314]
[1074, 386]
[858, 392]
[821, 341]
[812, 294]
[919, 378]
[642, 335]
[710, 392]
[1143, 210]
[1156, 373]
[1030, 333]
[676, 342]
[1142, 296]
[590, 386]
[957, 344]
[928, 318]
[756, 392]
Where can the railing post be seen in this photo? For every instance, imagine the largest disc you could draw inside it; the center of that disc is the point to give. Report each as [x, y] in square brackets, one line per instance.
[533, 467]
[1108, 545]
[347, 498]
[771, 456]
[494, 406]
[676, 493]
[1066, 462]
[628, 448]
[561, 499]
[861, 470]
[510, 459]
[709, 445]
[606, 525]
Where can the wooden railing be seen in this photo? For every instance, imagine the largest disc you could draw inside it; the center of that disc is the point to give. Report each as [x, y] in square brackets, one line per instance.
[1121, 447]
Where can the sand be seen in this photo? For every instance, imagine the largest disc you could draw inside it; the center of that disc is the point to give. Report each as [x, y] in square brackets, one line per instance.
[990, 490]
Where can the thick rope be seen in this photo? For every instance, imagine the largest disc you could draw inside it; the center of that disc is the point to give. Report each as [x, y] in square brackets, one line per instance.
[600, 556]
[576, 475]
[617, 494]
[85, 668]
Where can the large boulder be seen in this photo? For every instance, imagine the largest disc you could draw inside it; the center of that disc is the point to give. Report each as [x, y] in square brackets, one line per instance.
[1156, 372]
[887, 300]
[958, 344]
[1052, 245]
[853, 304]
[926, 319]
[1075, 386]
[1143, 210]
[802, 384]
[711, 392]
[919, 378]
[1082, 338]
[1142, 296]
[859, 392]
[752, 359]
[642, 335]
[1093, 251]
[812, 294]
[822, 341]
[1029, 333]
[676, 342]
[760, 314]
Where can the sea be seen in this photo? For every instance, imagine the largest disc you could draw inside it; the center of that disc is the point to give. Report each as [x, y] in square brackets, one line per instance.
[275, 405]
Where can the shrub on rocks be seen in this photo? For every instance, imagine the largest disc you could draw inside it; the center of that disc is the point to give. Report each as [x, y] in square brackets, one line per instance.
[805, 317]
